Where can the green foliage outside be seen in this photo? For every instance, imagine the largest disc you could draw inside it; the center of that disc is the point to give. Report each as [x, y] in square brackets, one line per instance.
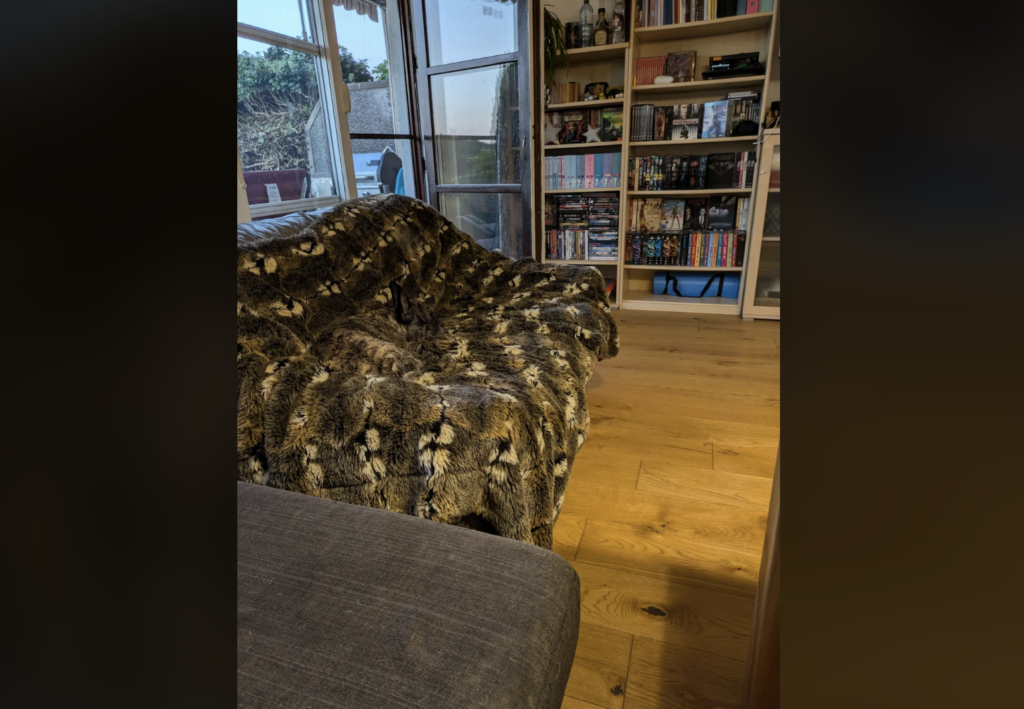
[277, 92]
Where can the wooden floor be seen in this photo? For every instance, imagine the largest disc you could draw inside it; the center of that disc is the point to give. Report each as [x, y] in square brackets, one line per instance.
[665, 511]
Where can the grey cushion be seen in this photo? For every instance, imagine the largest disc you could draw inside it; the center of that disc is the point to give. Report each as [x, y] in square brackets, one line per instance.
[276, 228]
[347, 606]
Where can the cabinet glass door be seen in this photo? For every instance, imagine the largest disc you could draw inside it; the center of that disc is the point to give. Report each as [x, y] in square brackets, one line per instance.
[763, 290]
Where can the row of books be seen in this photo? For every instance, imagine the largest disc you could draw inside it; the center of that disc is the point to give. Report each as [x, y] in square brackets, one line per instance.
[693, 121]
[681, 66]
[583, 245]
[692, 172]
[656, 214]
[656, 13]
[576, 211]
[583, 126]
[720, 249]
[575, 172]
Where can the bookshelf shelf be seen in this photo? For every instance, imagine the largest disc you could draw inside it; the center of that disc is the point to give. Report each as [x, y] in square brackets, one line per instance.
[688, 193]
[700, 141]
[584, 190]
[769, 238]
[582, 146]
[688, 86]
[641, 300]
[578, 262]
[707, 28]
[595, 54]
[774, 190]
[683, 268]
[585, 104]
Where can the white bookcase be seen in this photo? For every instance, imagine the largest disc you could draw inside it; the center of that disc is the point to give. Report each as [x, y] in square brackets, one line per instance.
[616, 65]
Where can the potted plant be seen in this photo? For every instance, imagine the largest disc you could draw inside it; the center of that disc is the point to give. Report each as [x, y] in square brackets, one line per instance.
[554, 44]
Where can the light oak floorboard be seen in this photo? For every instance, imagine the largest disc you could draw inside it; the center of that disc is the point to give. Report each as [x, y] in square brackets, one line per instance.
[666, 677]
[665, 511]
[567, 534]
[599, 669]
[675, 613]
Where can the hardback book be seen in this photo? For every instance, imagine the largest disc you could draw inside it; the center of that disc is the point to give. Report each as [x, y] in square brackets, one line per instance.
[722, 212]
[611, 124]
[715, 119]
[672, 250]
[573, 127]
[686, 121]
[672, 214]
[702, 172]
[662, 123]
[741, 242]
[639, 123]
[695, 214]
[549, 213]
[681, 65]
[721, 170]
[588, 171]
[649, 250]
[752, 7]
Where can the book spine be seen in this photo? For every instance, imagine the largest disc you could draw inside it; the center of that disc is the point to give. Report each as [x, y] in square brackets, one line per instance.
[751, 7]
[588, 171]
[617, 169]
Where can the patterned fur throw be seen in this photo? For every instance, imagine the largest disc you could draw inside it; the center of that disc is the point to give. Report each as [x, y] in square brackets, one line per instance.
[470, 412]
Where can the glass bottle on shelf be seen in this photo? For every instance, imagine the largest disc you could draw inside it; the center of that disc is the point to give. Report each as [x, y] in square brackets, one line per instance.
[601, 28]
[618, 22]
[586, 25]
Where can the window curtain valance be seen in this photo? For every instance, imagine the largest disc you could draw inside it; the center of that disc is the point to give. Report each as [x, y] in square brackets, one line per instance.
[361, 7]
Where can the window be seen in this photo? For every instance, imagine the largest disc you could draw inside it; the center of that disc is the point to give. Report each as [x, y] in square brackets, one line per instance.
[476, 84]
[386, 150]
[290, 133]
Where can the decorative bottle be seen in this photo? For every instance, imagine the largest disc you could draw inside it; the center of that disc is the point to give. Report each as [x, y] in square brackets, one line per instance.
[601, 30]
[586, 25]
[618, 22]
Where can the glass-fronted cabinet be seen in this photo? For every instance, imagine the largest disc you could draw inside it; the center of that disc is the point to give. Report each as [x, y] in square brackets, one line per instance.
[762, 293]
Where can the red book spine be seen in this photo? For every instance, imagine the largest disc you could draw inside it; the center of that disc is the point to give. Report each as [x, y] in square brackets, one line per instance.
[751, 6]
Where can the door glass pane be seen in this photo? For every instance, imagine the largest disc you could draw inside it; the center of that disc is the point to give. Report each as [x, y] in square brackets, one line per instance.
[768, 291]
[773, 215]
[477, 135]
[458, 30]
[372, 64]
[287, 17]
[495, 221]
[281, 127]
[775, 177]
[380, 165]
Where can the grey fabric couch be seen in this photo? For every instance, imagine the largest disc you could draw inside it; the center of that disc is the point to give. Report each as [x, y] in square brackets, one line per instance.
[347, 606]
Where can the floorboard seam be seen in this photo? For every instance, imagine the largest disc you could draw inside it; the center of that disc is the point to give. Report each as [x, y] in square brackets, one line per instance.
[629, 664]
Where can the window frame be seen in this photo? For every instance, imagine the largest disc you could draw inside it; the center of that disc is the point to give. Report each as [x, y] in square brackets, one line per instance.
[425, 72]
[333, 95]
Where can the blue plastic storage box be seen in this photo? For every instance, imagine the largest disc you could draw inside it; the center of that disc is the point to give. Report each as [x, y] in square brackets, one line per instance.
[707, 284]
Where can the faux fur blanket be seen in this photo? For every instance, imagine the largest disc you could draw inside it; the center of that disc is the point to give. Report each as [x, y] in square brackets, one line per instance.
[476, 418]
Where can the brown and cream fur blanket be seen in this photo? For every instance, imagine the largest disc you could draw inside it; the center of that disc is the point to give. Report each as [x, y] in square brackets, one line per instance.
[475, 420]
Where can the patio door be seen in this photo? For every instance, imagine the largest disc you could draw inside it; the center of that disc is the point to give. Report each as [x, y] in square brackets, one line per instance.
[473, 79]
